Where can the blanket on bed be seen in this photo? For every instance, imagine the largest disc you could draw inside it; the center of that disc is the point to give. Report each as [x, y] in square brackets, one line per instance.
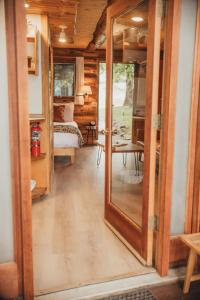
[70, 129]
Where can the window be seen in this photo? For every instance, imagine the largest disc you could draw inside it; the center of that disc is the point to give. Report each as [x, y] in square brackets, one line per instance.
[64, 75]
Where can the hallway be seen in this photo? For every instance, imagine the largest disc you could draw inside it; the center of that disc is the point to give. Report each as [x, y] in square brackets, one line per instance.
[71, 244]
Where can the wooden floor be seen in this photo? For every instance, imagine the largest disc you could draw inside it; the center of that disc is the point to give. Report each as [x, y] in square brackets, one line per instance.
[71, 244]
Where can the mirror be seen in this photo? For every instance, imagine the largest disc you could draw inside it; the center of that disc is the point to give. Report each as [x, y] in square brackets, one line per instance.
[34, 56]
[130, 31]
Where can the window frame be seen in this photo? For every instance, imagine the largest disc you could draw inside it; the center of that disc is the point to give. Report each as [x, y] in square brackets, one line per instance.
[74, 80]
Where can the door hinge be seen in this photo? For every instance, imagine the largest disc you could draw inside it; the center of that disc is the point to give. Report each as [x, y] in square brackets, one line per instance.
[157, 121]
[153, 222]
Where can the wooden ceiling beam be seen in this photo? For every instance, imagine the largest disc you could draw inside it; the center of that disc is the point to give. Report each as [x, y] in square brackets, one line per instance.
[99, 33]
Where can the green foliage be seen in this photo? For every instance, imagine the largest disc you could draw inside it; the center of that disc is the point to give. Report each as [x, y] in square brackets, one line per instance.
[121, 72]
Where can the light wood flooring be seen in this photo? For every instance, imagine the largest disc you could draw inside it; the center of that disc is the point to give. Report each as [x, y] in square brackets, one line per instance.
[72, 246]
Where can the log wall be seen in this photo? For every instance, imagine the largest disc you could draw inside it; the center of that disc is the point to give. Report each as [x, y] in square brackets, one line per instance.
[88, 112]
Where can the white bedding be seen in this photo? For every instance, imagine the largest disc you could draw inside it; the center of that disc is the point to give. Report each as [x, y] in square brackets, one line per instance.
[66, 140]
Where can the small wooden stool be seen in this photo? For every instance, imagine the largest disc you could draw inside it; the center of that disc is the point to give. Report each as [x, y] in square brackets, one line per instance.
[193, 242]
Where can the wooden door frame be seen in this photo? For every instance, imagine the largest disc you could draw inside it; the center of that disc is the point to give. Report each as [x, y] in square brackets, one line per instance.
[20, 140]
[193, 192]
[171, 55]
[20, 143]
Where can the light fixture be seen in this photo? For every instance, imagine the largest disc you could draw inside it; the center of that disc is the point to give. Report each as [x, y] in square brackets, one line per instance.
[26, 5]
[87, 90]
[137, 19]
[62, 35]
[126, 44]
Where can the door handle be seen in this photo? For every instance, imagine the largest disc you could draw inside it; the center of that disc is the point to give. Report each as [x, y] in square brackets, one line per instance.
[106, 131]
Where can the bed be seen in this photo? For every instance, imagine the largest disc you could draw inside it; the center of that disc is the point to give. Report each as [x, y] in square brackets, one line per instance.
[67, 138]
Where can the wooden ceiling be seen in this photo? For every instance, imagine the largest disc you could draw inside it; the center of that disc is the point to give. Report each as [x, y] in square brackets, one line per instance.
[80, 17]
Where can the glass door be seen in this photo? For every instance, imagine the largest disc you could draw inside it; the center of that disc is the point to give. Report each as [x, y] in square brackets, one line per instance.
[133, 58]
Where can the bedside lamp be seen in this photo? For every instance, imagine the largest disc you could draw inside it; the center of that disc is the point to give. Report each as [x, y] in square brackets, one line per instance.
[86, 90]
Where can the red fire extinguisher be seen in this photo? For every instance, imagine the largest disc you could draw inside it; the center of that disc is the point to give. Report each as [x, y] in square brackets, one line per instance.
[35, 140]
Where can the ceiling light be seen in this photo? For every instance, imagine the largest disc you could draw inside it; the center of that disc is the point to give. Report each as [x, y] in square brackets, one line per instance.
[137, 19]
[126, 44]
[62, 35]
[26, 5]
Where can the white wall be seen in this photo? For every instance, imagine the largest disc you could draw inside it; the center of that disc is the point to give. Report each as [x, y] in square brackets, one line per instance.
[6, 223]
[184, 92]
[35, 82]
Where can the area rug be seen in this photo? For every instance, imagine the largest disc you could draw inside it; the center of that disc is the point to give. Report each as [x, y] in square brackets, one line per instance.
[139, 294]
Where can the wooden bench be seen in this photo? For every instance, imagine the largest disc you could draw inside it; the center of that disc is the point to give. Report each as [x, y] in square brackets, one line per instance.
[193, 242]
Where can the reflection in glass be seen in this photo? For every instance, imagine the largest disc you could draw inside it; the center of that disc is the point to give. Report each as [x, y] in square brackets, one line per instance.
[128, 110]
[64, 80]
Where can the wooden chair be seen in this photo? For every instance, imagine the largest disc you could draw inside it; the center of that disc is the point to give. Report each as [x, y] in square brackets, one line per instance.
[193, 242]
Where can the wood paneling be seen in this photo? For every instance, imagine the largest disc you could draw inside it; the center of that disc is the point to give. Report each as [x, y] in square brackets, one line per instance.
[59, 13]
[9, 288]
[88, 14]
[74, 15]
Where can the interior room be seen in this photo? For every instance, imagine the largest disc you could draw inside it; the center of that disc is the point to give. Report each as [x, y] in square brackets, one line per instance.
[68, 129]
[100, 164]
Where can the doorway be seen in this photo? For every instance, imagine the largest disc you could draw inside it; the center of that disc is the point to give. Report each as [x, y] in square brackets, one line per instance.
[69, 225]
[26, 208]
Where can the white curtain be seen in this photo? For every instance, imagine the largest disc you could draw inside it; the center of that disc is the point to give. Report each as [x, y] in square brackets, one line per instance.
[79, 97]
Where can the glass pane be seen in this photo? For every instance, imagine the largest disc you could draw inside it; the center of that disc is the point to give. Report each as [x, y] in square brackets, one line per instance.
[130, 32]
[63, 80]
